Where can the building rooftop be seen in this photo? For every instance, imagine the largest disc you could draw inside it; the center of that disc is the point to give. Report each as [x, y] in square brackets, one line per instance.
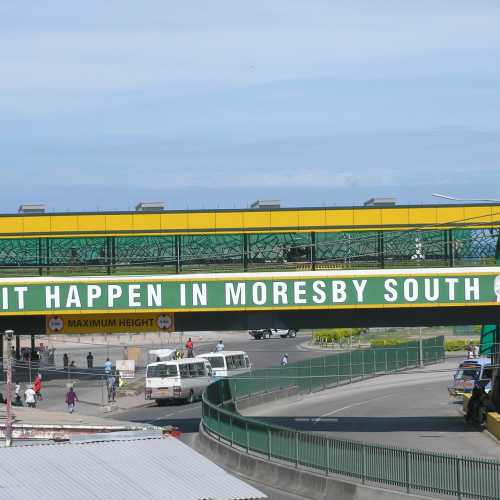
[143, 469]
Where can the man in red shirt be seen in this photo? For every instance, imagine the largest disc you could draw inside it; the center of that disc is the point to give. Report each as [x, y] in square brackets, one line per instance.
[189, 347]
[37, 387]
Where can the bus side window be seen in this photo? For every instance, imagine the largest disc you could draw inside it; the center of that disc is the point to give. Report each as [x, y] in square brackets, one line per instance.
[184, 369]
[487, 373]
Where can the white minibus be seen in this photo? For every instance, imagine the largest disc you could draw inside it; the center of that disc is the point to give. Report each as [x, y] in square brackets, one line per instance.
[181, 379]
[227, 363]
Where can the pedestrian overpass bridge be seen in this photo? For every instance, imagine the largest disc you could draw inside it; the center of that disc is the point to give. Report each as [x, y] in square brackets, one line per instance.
[238, 269]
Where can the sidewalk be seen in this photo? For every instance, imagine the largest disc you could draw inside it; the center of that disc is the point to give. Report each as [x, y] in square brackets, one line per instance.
[92, 395]
[35, 416]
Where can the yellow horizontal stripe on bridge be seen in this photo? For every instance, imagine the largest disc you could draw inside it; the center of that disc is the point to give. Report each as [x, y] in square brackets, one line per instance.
[249, 221]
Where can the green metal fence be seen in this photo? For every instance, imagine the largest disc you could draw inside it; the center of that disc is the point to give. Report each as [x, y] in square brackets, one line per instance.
[411, 470]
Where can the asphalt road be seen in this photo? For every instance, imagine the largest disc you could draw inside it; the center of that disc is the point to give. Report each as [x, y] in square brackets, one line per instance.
[263, 354]
[409, 409]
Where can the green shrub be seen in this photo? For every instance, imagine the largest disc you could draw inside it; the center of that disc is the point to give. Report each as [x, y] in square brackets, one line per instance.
[388, 342]
[337, 334]
[458, 345]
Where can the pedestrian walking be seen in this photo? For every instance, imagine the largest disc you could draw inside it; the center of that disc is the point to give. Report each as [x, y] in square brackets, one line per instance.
[284, 360]
[108, 366]
[475, 351]
[219, 347]
[90, 360]
[111, 382]
[189, 347]
[30, 397]
[71, 399]
[65, 361]
[470, 351]
[17, 389]
[37, 387]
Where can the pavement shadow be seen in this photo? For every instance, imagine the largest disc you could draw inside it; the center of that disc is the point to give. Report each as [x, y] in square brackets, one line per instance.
[373, 424]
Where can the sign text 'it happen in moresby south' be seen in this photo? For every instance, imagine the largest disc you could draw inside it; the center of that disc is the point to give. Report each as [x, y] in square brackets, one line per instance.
[246, 293]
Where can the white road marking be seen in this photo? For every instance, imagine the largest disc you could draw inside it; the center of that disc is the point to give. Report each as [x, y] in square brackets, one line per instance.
[338, 410]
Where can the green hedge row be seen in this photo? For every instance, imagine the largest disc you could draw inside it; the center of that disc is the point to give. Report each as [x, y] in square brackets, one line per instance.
[449, 345]
[337, 334]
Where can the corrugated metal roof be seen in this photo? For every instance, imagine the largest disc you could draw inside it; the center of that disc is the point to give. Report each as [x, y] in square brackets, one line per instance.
[142, 469]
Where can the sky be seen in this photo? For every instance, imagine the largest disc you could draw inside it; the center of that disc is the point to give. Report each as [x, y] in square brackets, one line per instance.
[216, 105]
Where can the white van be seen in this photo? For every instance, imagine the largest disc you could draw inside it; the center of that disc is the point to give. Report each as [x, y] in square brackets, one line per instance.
[227, 363]
[181, 379]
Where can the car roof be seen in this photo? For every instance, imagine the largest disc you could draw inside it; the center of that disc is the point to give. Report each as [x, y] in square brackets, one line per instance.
[221, 353]
[476, 362]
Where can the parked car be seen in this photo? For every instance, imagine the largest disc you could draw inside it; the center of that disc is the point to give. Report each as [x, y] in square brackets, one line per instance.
[270, 333]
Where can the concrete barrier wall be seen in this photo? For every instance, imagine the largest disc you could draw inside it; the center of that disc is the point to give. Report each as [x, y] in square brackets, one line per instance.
[298, 481]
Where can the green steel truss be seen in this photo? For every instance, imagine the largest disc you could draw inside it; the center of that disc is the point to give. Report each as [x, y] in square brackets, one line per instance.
[220, 252]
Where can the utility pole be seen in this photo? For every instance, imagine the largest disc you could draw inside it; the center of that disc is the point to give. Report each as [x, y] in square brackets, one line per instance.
[8, 421]
[420, 347]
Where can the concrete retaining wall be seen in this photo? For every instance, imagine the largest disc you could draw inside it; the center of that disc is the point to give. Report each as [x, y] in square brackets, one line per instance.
[298, 481]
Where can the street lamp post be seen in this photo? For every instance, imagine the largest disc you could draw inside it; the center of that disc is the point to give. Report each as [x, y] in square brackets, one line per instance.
[420, 347]
[8, 422]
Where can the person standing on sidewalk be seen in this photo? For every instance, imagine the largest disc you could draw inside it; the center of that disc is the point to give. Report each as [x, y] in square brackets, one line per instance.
[189, 347]
[90, 360]
[30, 397]
[108, 366]
[111, 382]
[71, 399]
[65, 361]
[37, 387]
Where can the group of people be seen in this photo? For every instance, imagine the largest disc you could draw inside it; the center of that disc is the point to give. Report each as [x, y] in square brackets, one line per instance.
[472, 351]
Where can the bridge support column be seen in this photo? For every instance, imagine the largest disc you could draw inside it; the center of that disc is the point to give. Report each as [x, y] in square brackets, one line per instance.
[495, 359]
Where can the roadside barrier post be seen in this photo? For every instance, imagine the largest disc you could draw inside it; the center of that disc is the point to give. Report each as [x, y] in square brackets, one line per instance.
[247, 437]
[407, 470]
[269, 444]
[296, 449]
[327, 456]
[363, 465]
[232, 430]
[459, 478]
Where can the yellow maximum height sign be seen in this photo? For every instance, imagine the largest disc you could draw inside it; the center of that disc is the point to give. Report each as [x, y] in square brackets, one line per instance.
[110, 323]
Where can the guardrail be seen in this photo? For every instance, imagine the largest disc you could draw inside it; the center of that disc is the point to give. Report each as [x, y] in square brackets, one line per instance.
[409, 469]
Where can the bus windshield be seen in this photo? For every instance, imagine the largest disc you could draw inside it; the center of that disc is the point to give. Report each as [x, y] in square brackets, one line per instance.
[162, 371]
[463, 373]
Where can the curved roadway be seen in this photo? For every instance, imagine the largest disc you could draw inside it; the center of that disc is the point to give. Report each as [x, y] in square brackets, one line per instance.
[408, 409]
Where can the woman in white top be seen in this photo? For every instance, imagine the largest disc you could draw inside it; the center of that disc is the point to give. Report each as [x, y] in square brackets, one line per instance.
[30, 397]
